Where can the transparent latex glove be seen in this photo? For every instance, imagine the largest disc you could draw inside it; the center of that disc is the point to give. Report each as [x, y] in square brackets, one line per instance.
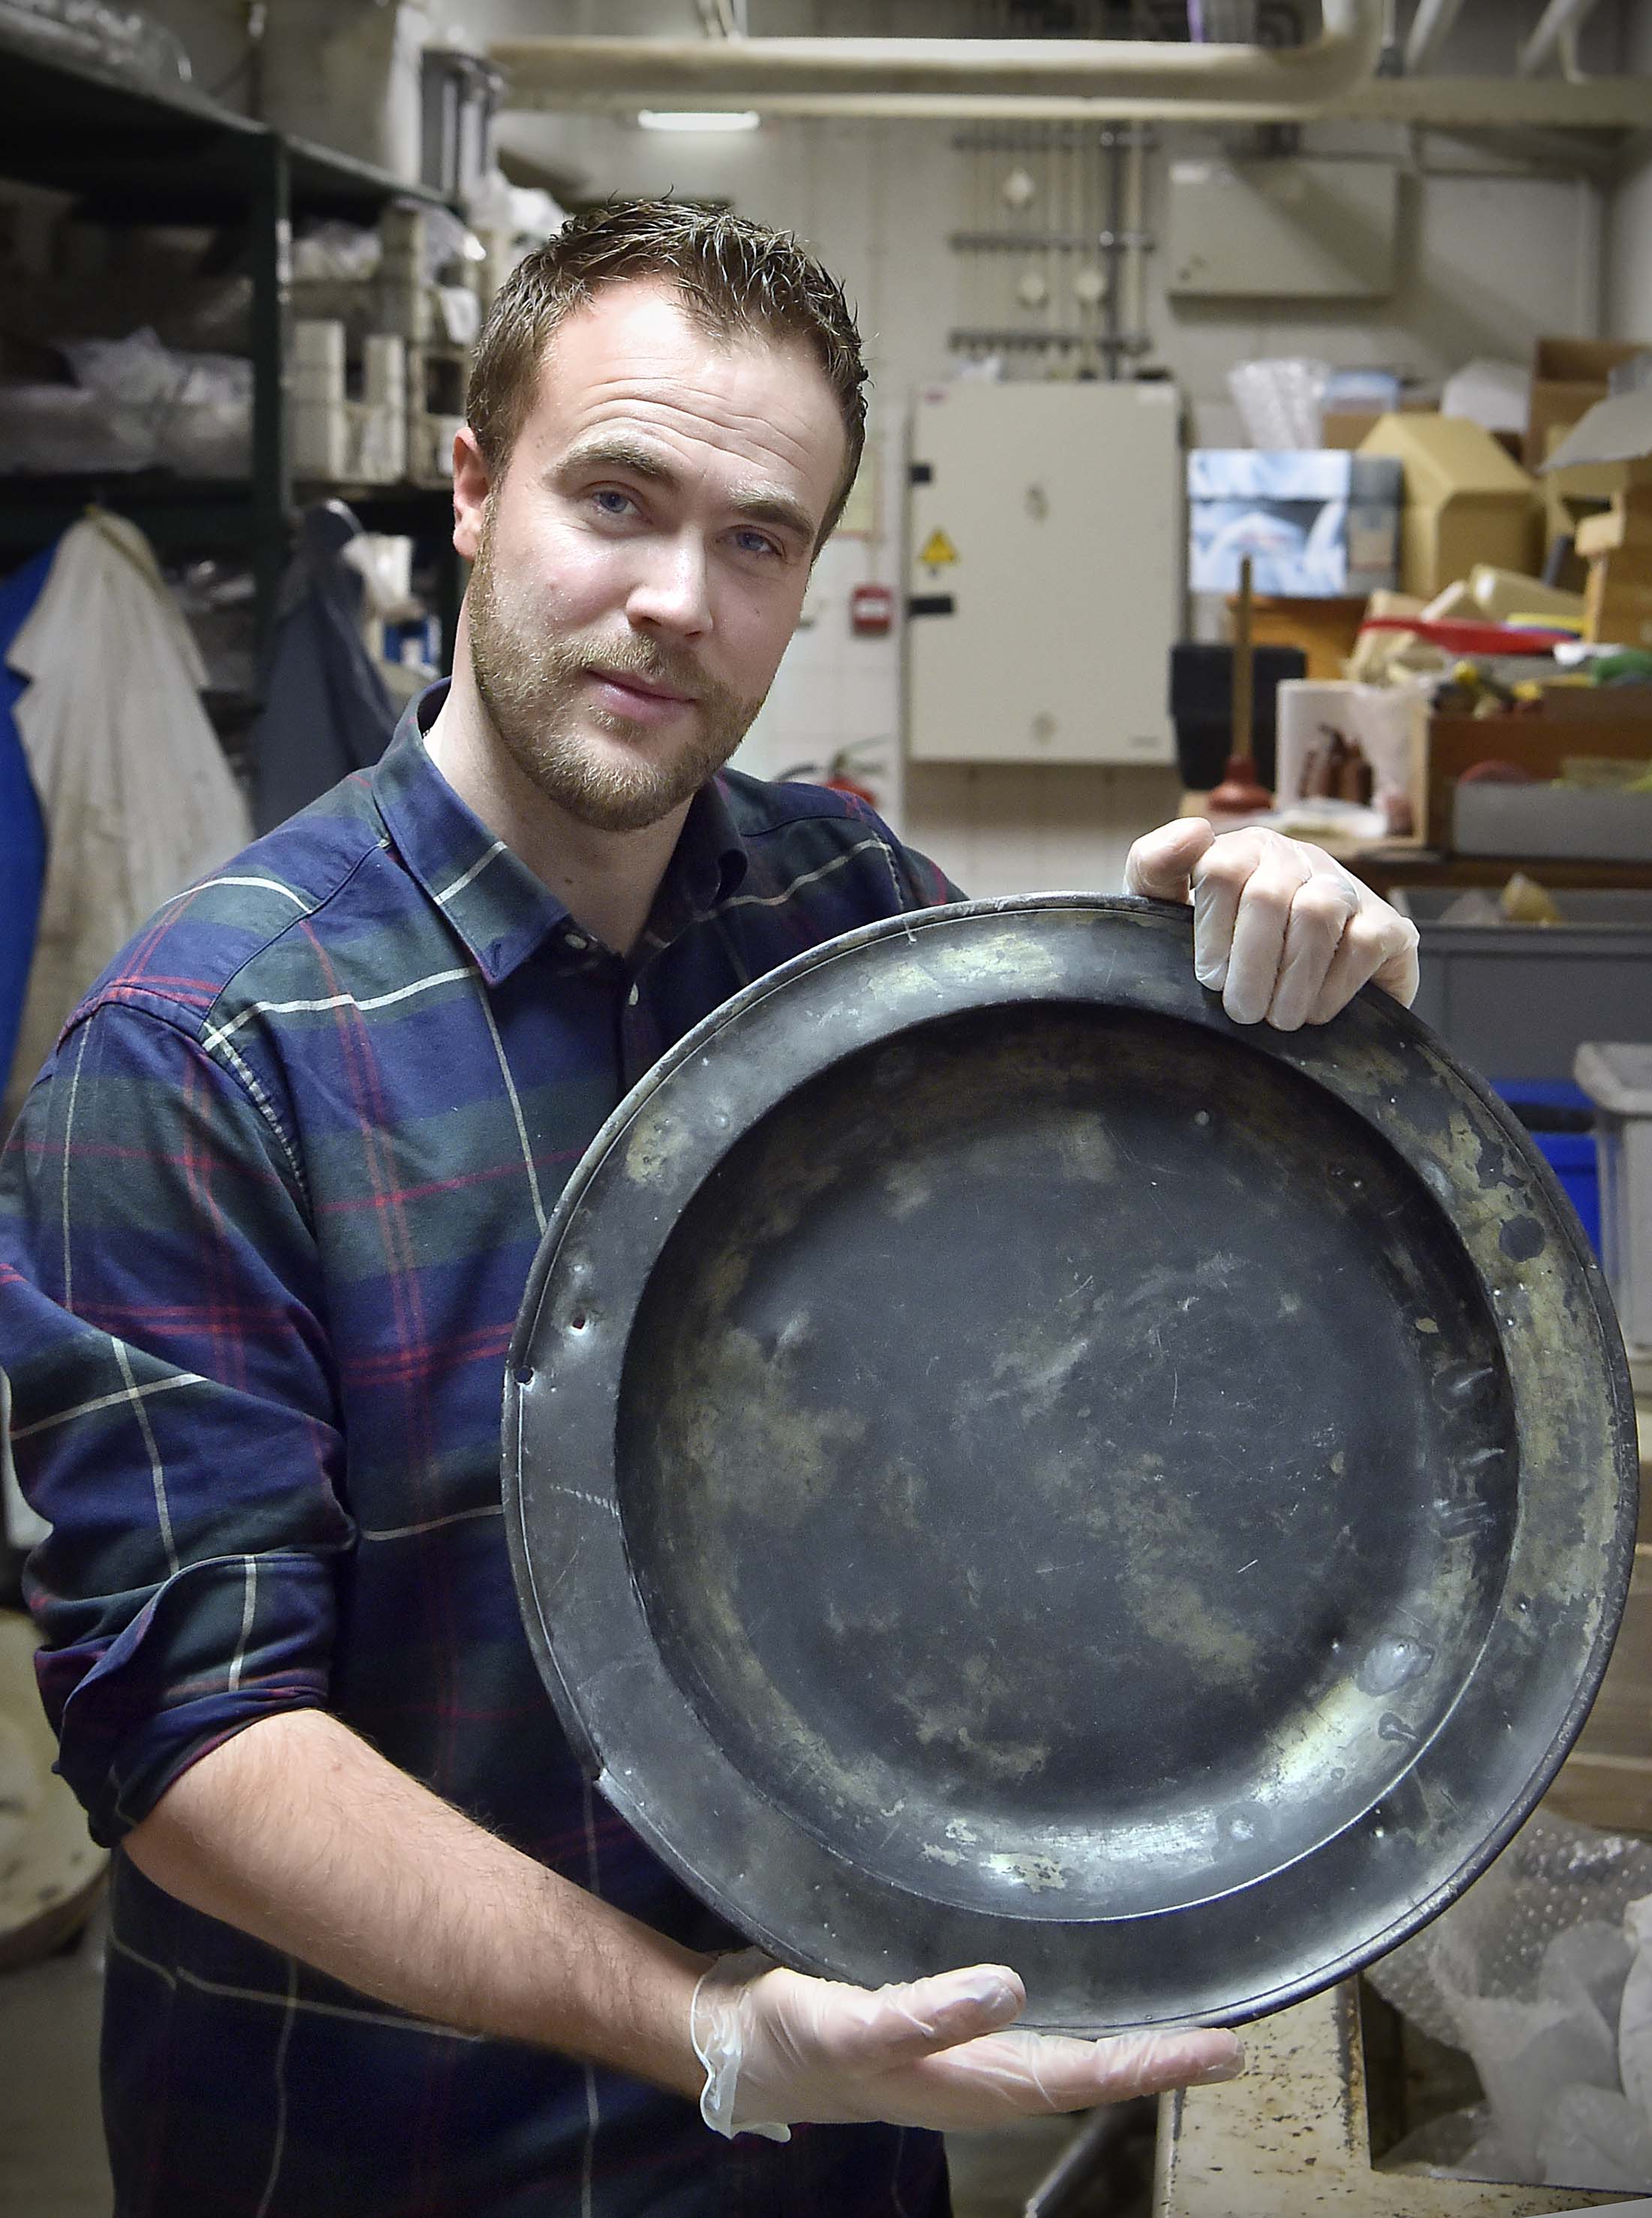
[779, 2048]
[1280, 929]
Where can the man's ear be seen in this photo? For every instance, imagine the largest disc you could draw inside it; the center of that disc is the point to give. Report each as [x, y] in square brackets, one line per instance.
[471, 486]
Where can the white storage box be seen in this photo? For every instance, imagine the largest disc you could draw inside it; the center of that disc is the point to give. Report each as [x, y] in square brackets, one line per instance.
[1595, 824]
[1617, 1078]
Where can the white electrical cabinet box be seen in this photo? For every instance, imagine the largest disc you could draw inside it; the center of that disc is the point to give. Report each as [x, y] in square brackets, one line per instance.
[1045, 540]
[1290, 229]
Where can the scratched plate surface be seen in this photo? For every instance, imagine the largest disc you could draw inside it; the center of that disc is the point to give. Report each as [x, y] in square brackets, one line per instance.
[1003, 1463]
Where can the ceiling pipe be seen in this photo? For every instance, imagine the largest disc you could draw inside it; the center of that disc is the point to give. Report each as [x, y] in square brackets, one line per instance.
[1561, 20]
[1145, 77]
[1439, 104]
[1431, 27]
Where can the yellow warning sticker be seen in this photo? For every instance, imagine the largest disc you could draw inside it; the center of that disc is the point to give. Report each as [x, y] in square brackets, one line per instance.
[938, 551]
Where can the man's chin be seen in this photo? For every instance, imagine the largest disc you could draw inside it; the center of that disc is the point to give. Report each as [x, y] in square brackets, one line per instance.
[617, 812]
[614, 789]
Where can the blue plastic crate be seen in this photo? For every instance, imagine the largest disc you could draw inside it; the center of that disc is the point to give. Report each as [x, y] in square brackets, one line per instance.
[1542, 1104]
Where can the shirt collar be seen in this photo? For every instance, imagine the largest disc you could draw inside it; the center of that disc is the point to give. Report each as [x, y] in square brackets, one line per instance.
[500, 910]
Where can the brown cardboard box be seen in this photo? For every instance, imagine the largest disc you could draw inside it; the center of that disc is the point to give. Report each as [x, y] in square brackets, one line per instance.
[1466, 500]
[1567, 377]
[1346, 428]
[1607, 720]
[1570, 496]
[1324, 629]
[1617, 540]
[1618, 607]
[1623, 527]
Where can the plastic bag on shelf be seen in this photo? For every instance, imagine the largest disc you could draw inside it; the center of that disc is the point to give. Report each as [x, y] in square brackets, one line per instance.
[347, 252]
[207, 430]
[50, 429]
[523, 213]
[190, 412]
[135, 372]
[1279, 401]
[460, 311]
[446, 244]
[124, 37]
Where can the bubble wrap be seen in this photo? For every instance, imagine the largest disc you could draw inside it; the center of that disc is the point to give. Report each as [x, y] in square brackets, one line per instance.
[1537, 1971]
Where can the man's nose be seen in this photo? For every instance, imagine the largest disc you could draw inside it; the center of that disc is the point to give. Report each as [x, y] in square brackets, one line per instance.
[672, 592]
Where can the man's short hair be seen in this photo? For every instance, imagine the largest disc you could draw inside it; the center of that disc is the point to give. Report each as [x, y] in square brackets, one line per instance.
[734, 276]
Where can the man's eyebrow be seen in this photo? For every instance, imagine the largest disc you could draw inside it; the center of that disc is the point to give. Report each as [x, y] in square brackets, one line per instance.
[767, 505]
[759, 504]
[614, 450]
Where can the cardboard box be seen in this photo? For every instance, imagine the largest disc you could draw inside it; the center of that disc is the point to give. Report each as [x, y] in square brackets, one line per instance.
[1607, 720]
[1317, 523]
[1324, 630]
[1615, 432]
[1569, 497]
[1617, 540]
[1567, 377]
[1619, 608]
[1465, 501]
[1623, 526]
[1347, 428]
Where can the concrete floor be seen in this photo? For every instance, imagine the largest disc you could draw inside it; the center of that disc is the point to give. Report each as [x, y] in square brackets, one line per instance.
[51, 2161]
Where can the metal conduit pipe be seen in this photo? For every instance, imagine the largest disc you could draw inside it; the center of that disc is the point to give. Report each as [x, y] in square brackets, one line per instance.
[1561, 20]
[1430, 29]
[1147, 77]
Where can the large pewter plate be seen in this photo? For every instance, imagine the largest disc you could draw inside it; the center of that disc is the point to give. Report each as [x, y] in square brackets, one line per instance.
[1004, 1464]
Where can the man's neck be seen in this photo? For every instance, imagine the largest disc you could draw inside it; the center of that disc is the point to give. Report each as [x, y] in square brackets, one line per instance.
[606, 881]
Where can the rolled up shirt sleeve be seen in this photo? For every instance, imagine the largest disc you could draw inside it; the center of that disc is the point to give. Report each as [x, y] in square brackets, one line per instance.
[174, 1414]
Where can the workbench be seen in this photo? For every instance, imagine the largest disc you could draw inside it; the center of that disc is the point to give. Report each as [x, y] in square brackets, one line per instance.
[1291, 2138]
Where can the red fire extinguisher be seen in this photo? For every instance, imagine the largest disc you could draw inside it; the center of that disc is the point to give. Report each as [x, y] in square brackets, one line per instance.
[845, 773]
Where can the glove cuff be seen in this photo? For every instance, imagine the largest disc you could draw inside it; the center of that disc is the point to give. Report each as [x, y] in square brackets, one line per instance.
[715, 2027]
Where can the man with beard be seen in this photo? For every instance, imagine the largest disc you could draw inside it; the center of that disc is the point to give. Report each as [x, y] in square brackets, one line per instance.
[376, 1948]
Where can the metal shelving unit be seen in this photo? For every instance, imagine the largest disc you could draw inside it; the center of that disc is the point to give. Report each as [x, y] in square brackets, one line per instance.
[131, 154]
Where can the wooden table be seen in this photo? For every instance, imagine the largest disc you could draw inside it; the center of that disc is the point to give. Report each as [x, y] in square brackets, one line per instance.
[1290, 2139]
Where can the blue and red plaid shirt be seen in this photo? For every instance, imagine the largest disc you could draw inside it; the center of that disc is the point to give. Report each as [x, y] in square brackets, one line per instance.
[264, 1226]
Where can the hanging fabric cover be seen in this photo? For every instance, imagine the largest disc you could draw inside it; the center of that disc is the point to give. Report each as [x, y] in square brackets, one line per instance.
[137, 797]
[22, 828]
[326, 710]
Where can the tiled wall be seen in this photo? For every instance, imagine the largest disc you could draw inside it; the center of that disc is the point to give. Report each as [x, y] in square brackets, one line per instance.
[834, 690]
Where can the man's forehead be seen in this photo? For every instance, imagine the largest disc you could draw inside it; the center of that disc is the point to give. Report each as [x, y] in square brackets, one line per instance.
[634, 354]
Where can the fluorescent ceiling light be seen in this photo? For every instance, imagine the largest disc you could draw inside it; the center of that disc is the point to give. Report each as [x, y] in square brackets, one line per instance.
[698, 118]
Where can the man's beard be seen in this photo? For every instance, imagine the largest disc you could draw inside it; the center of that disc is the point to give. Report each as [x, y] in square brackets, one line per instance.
[536, 691]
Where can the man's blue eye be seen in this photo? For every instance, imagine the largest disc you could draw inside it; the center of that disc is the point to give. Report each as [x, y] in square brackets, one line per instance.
[607, 495]
[753, 543]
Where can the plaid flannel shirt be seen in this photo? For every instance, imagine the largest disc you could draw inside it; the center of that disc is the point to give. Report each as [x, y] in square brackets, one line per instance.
[264, 1227]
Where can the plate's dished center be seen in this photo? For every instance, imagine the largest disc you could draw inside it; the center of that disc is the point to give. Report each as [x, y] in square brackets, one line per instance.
[1175, 1418]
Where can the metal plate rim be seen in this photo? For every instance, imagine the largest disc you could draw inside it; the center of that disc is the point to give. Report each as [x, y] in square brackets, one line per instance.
[1237, 2008]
